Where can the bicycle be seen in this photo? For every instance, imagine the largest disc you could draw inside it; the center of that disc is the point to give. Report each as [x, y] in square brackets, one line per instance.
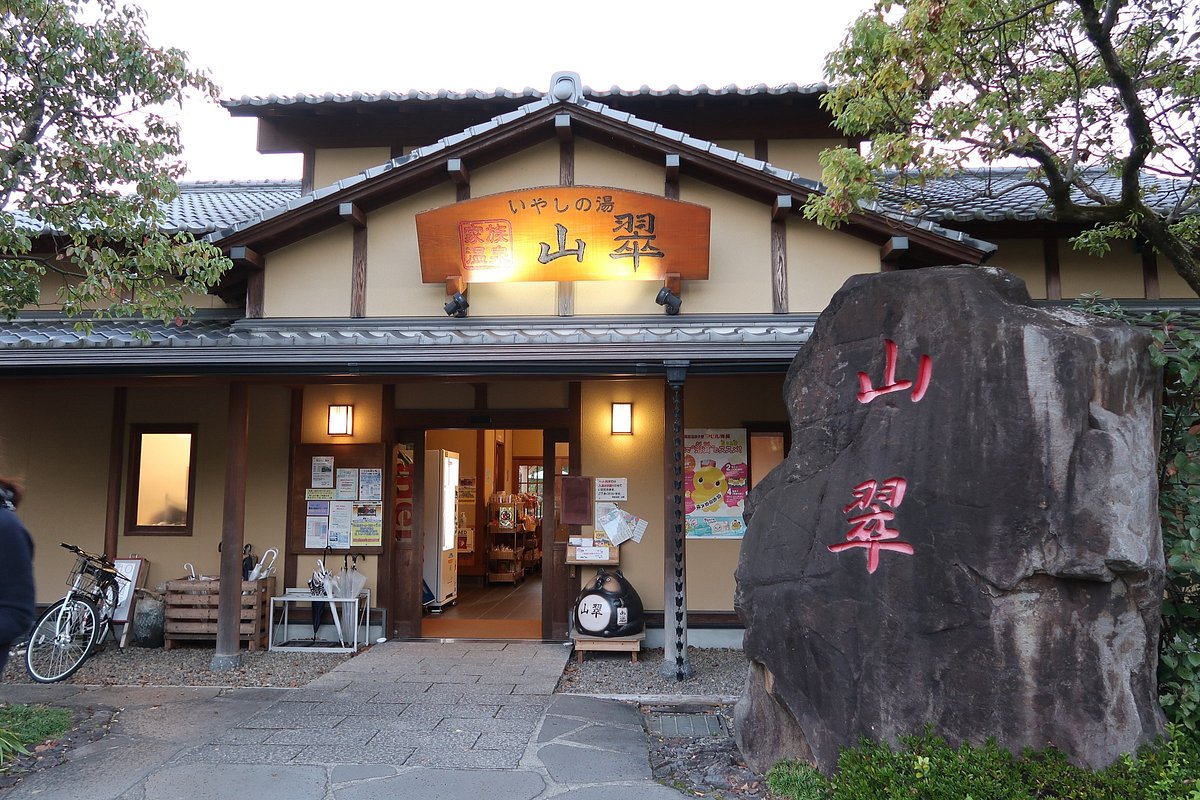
[74, 627]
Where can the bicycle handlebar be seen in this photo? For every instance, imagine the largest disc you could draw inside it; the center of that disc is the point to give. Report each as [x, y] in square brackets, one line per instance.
[101, 559]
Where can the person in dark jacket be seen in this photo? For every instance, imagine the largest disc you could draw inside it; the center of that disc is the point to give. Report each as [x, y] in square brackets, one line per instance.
[16, 571]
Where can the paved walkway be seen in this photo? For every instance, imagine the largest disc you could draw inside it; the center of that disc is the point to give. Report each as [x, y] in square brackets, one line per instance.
[427, 720]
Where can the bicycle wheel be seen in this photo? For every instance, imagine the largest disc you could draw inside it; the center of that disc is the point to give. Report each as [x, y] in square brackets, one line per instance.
[61, 642]
[106, 605]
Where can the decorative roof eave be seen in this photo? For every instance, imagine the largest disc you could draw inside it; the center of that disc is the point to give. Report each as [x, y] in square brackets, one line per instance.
[533, 123]
[214, 345]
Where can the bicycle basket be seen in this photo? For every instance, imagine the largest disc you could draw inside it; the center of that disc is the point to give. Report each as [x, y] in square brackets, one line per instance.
[90, 575]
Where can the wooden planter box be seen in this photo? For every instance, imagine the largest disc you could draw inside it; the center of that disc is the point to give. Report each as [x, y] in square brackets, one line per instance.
[191, 611]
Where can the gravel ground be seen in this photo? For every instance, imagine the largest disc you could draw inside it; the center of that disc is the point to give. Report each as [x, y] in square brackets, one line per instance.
[716, 671]
[188, 666]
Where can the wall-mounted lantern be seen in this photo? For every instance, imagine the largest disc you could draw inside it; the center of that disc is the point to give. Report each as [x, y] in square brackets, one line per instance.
[341, 420]
[622, 417]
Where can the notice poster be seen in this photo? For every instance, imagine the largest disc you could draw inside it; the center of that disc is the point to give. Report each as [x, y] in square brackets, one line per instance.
[322, 472]
[318, 508]
[370, 484]
[340, 514]
[318, 494]
[346, 487]
[316, 533]
[716, 480]
[366, 524]
[610, 489]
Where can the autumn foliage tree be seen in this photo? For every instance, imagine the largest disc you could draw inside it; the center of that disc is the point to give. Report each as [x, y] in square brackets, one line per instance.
[87, 161]
[1097, 97]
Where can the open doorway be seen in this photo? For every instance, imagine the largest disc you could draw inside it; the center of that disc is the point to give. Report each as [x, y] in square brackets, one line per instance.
[500, 522]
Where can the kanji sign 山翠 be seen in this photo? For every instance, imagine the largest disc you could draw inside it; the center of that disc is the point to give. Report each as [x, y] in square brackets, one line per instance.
[867, 391]
[564, 233]
[869, 530]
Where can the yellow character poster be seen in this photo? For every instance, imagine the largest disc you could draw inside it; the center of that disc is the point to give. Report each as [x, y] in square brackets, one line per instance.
[716, 480]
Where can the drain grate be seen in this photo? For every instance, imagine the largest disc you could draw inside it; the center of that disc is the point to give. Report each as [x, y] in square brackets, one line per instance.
[693, 725]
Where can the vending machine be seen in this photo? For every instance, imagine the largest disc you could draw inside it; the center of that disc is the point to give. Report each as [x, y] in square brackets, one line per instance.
[441, 522]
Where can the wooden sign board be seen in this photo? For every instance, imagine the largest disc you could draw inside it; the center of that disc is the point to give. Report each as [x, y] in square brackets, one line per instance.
[564, 233]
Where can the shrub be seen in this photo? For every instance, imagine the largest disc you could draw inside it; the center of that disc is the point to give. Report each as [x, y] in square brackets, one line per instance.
[925, 767]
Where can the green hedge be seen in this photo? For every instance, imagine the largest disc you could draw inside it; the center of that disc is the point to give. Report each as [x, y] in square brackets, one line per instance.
[926, 768]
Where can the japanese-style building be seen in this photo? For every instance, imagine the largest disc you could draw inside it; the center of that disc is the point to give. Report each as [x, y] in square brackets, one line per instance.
[489, 274]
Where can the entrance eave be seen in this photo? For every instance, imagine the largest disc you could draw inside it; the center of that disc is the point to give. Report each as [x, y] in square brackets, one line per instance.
[358, 348]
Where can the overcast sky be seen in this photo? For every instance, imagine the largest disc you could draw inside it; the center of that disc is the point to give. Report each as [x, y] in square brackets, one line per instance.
[263, 47]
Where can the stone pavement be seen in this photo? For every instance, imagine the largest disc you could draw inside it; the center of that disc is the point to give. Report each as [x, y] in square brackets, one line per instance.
[430, 720]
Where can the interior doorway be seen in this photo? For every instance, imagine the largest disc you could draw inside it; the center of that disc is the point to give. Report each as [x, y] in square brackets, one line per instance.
[500, 522]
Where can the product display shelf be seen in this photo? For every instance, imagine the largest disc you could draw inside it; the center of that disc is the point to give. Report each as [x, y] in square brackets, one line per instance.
[506, 557]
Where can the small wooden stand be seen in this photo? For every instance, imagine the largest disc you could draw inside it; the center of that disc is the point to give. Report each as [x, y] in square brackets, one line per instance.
[191, 611]
[620, 644]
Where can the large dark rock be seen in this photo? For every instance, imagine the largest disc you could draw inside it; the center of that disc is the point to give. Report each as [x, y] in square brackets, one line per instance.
[1003, 574]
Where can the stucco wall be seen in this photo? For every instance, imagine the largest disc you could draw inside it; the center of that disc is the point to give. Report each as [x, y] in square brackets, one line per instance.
[394, 286]
[739, 277]
[708, 403]
[1026, 259]
[333, 164]
[310, 278]
[819, 261]
[368, 404]
[62, 456]
[800, 155]
[1118, 274]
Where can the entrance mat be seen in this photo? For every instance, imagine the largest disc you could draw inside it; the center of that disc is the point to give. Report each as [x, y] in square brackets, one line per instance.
[450, 628]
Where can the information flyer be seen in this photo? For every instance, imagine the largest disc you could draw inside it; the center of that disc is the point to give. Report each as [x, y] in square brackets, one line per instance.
[366, 525]
[716, 480]
[316, 532]
[370, 484]
[322, 472]
[346, 487]
[340, 512]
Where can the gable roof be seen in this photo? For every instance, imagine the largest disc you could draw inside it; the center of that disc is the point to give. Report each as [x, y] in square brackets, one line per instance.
[543, 119]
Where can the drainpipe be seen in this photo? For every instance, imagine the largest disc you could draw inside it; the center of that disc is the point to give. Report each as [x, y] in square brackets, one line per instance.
[675, 655]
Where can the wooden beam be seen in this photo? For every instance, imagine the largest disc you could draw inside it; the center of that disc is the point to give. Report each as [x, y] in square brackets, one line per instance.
[116, 462]
[671, 165]
[562, 127]
[458, 172]
[307, 171]
[1150, 285]
[461, 177]
[358, 273]
[454, 285]
[893, 254]
[254, 294]
[760, 149]
[779, 263]
[1051, 265]
[783, 206]
[565, 298]
[233, 527]
[352, 214]
[673, 283]
[243, 256]
[295, 436]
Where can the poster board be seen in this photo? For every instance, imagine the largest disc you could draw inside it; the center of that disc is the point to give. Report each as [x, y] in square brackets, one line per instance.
[135, 570]
[339, 498]
[716, 479]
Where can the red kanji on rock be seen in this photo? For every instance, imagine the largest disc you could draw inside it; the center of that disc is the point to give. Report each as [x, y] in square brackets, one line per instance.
[870, 530]
[867, 391]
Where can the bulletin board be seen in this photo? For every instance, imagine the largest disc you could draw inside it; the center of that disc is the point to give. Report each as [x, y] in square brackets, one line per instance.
[339, 498]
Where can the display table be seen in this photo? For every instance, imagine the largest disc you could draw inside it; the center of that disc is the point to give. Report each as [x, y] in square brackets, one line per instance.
[352, 613]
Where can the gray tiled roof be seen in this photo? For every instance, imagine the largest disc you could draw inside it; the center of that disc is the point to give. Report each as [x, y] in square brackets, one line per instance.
[622, 117]
[996, 194]
[205, 206]
[223, 342]
[531, 94]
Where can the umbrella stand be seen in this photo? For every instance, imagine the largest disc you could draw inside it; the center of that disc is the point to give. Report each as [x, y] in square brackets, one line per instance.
[337, 623]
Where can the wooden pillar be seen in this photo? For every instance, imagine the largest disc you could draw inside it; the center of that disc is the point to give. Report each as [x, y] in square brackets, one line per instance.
[1150, 287]
[290, 558]
[1053, 274]
[675, 656]
[779, 275]
[233, 523]
[116, 463]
